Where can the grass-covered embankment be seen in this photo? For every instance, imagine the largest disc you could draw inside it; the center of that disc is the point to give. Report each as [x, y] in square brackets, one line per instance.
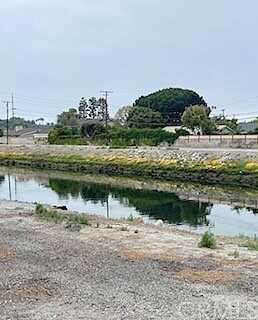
[210, 171]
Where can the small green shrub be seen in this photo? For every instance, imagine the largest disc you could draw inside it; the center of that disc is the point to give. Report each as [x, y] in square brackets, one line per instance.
[57, 132]
[39, 208]
[208, 240]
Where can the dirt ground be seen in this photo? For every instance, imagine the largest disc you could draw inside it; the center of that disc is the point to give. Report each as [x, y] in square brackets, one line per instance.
[119, 270]
[18, 140]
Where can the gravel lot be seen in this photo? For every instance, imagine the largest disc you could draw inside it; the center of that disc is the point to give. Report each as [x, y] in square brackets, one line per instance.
[48, 272]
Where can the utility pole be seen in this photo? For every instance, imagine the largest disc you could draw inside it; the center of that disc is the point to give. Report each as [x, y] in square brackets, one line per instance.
[7, 121]
[12, 102]
[106, 93]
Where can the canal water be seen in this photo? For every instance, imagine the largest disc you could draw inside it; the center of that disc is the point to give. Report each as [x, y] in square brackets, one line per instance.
[116, 201]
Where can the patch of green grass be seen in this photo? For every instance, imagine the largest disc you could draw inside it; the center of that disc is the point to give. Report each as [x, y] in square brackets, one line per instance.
[73, 222]
[249, 242]
[79, 219]
[49, 215]
[208, 240]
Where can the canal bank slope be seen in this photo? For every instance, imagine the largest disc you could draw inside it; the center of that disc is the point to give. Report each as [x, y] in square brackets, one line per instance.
[119, 270]
[225, 167]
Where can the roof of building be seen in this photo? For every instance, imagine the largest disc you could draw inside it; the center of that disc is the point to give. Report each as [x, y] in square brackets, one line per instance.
[247, 126]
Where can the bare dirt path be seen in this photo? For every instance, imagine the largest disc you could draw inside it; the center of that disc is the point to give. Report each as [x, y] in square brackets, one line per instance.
[119, 270]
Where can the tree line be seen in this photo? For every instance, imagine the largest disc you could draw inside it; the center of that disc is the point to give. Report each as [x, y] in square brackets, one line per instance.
[140, 123]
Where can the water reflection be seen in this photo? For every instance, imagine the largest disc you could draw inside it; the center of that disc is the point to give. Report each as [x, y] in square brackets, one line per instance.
[2, 179]
[193, 207]
[158, 205]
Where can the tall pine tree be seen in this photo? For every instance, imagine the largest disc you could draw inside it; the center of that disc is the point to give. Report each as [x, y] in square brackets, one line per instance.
[83, 108]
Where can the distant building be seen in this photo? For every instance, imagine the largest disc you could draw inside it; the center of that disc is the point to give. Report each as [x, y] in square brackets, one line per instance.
[247, 127]
[224, 129]
[18, 128]
[28, 132]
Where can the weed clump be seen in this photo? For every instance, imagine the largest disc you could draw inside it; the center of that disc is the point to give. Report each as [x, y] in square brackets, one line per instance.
[250, 243]
[49, 215]
[79, 219]
[130, 218]
[73, 222]
[234, 254]
[72, 226]
[208, 240]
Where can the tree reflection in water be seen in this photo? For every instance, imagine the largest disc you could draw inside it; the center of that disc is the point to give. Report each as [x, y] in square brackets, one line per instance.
[2, 179]
[158, 205]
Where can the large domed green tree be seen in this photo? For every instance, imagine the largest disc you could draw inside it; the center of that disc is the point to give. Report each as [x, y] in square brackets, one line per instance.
[171, 103]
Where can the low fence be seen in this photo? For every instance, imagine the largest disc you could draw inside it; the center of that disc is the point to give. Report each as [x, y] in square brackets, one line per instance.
[230, 141]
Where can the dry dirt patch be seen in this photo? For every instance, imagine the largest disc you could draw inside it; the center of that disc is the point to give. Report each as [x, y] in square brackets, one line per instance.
[144, 255]
[209, 277]
[27, 290]
[6, 253]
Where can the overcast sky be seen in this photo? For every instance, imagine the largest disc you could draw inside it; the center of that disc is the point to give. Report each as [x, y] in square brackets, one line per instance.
[54, 52]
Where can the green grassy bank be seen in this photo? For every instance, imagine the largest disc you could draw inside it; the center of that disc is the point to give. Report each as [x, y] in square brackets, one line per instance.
[244, 173]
